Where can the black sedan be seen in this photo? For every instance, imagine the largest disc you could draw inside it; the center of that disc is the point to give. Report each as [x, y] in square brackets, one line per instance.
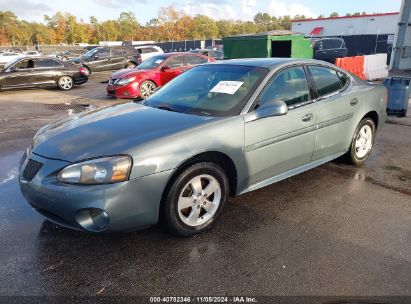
[29, 72]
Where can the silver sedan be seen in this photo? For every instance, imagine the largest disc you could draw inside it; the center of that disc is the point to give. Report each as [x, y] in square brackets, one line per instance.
[217, 131]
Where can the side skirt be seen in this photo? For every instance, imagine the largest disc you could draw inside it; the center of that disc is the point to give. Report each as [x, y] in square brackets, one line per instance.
[290, 173]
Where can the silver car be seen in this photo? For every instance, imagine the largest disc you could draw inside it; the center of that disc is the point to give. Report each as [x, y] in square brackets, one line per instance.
[217, 131]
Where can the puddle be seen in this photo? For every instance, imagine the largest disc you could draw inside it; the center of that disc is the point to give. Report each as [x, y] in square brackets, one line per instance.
[361, 174]
[12, 174]
[8, 165]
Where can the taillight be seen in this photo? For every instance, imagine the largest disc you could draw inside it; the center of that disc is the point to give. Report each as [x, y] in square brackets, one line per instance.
[82, 70]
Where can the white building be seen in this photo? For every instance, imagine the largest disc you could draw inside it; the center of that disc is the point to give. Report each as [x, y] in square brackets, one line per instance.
[374, 24]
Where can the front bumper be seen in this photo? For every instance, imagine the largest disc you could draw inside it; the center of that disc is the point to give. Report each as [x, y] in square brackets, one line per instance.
[129, 205]
[127, 91]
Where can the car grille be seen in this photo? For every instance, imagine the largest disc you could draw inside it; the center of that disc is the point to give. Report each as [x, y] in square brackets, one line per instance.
[31, 169]
[112, 81]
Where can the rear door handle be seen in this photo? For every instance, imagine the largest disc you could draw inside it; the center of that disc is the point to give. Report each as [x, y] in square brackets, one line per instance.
[354, 101]
[307, 117]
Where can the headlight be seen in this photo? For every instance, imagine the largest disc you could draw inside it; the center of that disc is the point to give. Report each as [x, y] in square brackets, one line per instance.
[105, 170]
[125, 81]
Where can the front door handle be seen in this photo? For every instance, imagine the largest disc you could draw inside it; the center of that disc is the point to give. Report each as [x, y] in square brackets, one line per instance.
[307, 117]
[354, 101]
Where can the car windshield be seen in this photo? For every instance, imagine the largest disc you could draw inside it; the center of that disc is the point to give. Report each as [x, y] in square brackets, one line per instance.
[213, 90]
[152, 62]
[9, 64]
[90, 53]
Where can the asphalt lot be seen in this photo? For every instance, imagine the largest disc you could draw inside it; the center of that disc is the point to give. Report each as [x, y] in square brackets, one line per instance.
[334, 230]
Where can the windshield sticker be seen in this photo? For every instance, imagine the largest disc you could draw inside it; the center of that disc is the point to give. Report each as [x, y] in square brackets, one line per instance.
[158, 61]
[227, 87]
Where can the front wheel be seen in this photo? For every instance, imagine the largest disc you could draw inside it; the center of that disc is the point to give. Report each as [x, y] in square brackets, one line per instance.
[147, 88]
[362, 142]
[195, 199]
[65, 83]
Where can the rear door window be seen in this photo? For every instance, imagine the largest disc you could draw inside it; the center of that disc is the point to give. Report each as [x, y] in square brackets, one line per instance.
[194, 60]
[175, 62]
[118, 53]
[103, 54]
[47, 63]
[326, 80]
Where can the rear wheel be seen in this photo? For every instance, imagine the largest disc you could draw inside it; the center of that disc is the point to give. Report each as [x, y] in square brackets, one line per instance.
[147, 88]
[65, 83]
[195, 199]
[362, 142]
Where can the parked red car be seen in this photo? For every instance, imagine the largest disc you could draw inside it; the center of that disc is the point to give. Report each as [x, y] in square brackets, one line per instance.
[154, 72]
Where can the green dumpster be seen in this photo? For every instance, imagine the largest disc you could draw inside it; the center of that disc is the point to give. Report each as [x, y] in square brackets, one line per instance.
[285, 44]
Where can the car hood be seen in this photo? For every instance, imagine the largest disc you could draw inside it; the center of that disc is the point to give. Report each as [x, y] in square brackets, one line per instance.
[125, 73]
[110, 131]
[75, 59]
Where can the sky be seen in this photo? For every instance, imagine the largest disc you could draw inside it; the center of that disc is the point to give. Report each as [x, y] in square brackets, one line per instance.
[34, 10]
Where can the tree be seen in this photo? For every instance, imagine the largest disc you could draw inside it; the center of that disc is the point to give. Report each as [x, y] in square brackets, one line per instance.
[334, 14]
[183, 28]
[94, 36]
[167, 18]
[170, 25]
[128, 25]
[204, 27]
[109, 30]
[9, 25]
[285, 22]
[225, 28]
[59, 25]
[264, 22]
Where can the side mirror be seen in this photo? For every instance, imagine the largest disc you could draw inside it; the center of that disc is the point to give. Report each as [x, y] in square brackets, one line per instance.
[270, 109]
[96, 57]
[14, 69]
[165, 68]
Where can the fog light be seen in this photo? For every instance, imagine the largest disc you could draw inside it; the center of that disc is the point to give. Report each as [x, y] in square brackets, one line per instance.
[93, 219]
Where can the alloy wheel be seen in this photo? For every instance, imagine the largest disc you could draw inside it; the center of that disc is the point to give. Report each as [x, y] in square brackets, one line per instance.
[147, 88]
[364, 141]
[66, 83]
[199, 200]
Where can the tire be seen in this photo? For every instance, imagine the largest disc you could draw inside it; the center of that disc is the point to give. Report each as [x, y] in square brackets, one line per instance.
[187, 208]
[130, 65]
[147, 88]
[65, 83]
[362, 143]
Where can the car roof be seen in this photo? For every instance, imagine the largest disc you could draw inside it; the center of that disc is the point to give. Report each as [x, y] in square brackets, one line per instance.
[145, 46]
[269, 63]
[206, 50]
[178, 53]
